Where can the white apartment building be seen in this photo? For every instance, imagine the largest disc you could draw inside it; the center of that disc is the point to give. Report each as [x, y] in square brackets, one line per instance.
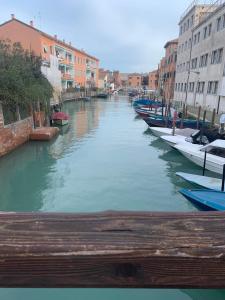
[200, 74]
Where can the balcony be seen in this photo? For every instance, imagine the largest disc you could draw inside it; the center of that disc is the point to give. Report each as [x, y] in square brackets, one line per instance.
[67, 76]
[64, 61]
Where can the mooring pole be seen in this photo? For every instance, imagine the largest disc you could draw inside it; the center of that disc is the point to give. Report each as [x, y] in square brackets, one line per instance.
[223, 179]
[203, 173]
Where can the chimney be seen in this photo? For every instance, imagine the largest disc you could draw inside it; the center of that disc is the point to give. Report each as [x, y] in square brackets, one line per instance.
[55, 36]
[63, 41]
[12, 16]
[31, 23]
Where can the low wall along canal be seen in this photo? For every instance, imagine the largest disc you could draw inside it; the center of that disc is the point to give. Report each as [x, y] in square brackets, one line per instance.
[106, 159]
[14, 135]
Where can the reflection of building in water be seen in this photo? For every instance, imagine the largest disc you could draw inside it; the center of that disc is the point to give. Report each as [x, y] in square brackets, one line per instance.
[84, 119]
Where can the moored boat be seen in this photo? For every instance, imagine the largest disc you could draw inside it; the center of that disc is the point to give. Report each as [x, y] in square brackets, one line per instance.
[60, 118]
[215, 158]
[159, 121]
[210, 183]
[163, 131]
[207, 199]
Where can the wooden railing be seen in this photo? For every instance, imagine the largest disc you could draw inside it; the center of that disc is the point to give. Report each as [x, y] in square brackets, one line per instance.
[123, 249]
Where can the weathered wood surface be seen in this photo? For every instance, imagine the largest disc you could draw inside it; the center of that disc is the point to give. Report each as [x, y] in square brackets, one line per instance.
[112, 250]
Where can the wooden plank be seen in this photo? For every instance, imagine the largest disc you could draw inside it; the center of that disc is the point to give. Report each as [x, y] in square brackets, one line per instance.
[123, 249]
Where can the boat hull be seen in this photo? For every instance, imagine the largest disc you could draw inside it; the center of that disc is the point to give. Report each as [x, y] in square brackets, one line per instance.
[61, 122]
[198, 159]
[207, 199]
[164, 122]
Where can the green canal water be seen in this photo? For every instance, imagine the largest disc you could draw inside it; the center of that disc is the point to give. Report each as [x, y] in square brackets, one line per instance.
[105, 160]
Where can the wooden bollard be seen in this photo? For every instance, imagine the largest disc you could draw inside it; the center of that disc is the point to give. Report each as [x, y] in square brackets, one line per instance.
[213, 118]
[199, 115]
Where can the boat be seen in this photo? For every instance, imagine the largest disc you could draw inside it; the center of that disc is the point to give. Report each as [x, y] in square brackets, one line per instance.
[215, 158]
[163, 131]
[60, 118]
[146, 102]
[148, 111]
[196, 138]
[102, 95]
[210, 183]
[161, 121]
[207, 199]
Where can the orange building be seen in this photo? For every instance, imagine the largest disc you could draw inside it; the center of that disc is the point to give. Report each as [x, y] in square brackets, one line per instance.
[77, 68]
[135, 80]
[170, 69]
[153, 80]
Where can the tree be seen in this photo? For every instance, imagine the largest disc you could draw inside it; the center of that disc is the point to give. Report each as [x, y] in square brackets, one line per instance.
[21, 80]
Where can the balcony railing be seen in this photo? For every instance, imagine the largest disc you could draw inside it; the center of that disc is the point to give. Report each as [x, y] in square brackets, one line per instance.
[66, 76]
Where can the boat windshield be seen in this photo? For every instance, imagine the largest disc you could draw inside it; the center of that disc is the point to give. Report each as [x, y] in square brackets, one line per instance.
[217, 151]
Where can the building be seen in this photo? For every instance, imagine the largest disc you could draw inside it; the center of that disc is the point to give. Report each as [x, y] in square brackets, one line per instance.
[124, 80]
[64, 65]
[135, 80]
[153, 80]
[170, 69]
[200, 75]
[103, 79]
[161, 72]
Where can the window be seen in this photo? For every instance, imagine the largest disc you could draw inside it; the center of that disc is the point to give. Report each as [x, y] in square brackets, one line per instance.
[191, 87]
[187, 66]
[185, 87]
[194, 63]
[204, 33]
[189, 44]
[45, 49]
[198, 37]
[219, 24]
[200, 87]
[203, 60]
[192, 20]
[217, 56]
[212, 87]
[209, 29]
[181, 87]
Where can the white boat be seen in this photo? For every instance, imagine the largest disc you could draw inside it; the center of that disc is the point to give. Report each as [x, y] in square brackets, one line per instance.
[176, 139]
[203, 181]
[162, 131]
[215, 158]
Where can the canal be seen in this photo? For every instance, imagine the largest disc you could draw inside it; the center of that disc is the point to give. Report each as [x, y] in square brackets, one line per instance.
[105, 160]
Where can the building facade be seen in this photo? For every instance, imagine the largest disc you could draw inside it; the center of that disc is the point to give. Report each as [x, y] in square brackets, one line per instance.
[200, 77]
[63, 65]
[153, 80]
[135, 80]
[169, 69]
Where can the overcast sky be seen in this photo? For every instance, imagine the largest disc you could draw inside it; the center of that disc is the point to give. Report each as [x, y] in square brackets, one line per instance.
[126, 35]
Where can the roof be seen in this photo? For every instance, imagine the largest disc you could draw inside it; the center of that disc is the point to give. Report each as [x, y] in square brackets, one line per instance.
[50, 37]
[175, 41]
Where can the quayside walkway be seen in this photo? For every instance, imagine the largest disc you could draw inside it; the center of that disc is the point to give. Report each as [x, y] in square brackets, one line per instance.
[113, 249]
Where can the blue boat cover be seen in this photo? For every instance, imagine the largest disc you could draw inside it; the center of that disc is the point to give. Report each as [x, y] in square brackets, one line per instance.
[214, 200]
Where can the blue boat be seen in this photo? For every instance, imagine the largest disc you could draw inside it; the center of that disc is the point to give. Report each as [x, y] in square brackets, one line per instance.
[206, 199]
[159, 121]
[147, 102]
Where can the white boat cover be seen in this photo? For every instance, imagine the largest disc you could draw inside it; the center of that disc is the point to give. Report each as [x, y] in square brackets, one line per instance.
[203, 181]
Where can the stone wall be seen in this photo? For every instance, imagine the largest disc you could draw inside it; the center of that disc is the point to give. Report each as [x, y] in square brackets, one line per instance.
[14, 135]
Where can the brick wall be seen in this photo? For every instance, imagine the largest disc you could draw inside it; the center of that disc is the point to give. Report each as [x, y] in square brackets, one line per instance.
[14, 135]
